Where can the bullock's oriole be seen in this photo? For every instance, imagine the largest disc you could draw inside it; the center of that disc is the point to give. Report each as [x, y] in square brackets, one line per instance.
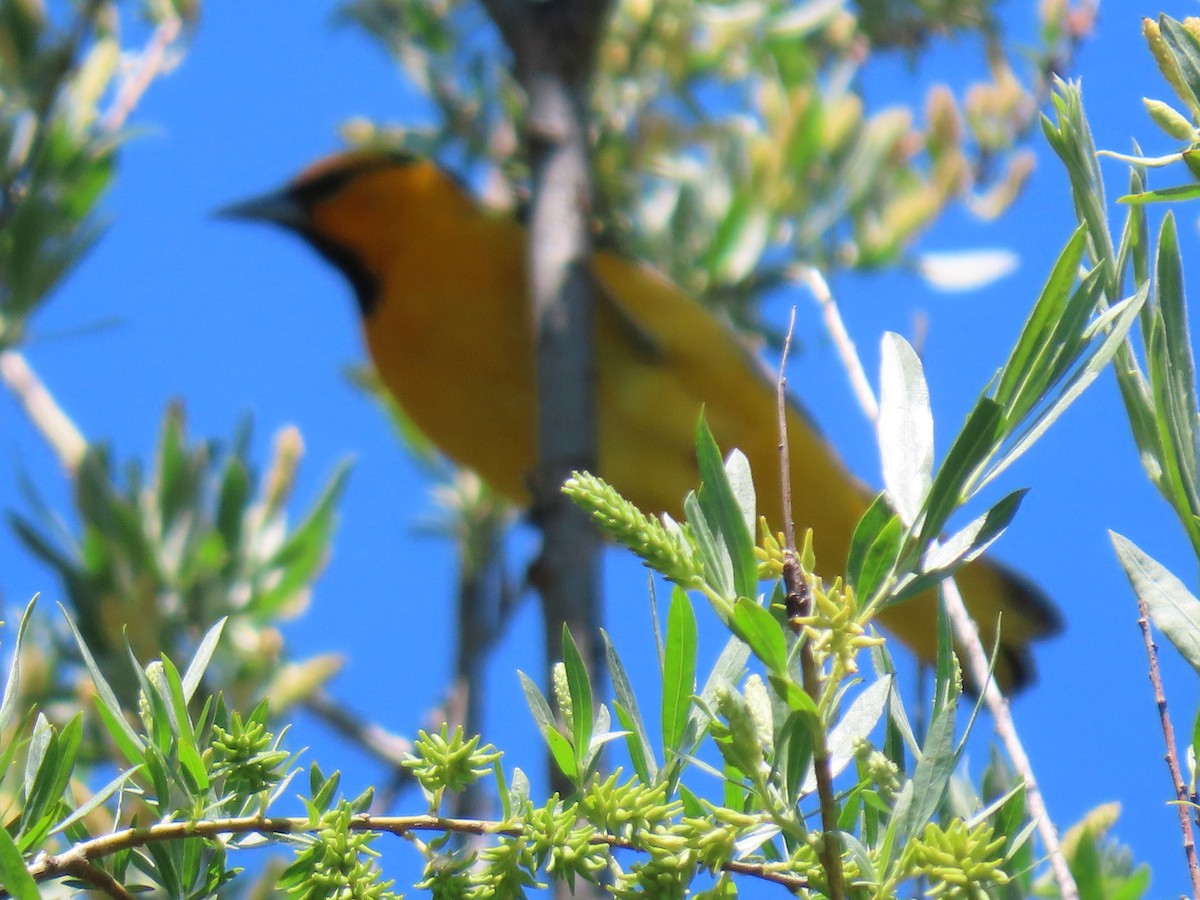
[441, 287]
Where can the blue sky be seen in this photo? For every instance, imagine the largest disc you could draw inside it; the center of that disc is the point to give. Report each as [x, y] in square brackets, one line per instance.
[236, 320]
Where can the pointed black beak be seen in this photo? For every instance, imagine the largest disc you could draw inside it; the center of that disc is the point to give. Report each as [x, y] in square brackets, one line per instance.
[278, 207]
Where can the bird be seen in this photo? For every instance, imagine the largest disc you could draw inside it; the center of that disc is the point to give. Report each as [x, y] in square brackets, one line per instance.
[441, 285]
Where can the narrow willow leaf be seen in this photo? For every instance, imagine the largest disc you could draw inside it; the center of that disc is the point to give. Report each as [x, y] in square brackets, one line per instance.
[971, 542]
[796, 698]
[580, 687]
[180, 716]
[1173, 371]
[106, 698]
[866, 532]
[96, 800]
[945, 670]
[858, 722]
[679, 670]
[639, 749]
[793, 752]
[741, 482]
[1072, 140]
[905, 427]
[1135, 245]
[1176, 194]
[306, 548]
[628, 714]
[14, 877]
[1040, 323]
[1118, 319]
[762, 633]
[740, 237]
[1173, 609]
[41, 743]
[881, 559]
[543, 716]
[201, 658]
[559, 746]
[724, 514]
[729, 669]
[980, 435]
[934, 767]
[9, 705]
[714, 555]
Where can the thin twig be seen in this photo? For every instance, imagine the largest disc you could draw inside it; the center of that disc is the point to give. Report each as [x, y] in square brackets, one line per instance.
[57, 865]
[55, 426]
[1185, 802]
[841, 338]
[152, 62]
[966, 633]
[799, 604]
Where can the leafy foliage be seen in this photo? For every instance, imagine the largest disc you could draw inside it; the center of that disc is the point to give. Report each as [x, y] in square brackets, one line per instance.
[202, 538]
[195, 559]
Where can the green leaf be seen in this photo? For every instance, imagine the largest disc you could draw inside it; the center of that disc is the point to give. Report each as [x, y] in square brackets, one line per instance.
[96, 800]
[760, 630]
[932, 773]
[881, 558]
[741, 483]
[1173, 378]
[729, 668]
[980, 436]
[796, 698]
[714, 557]
[854, 728]
[1115, 324]
[794, 750]
[14, 877]
[966, 545]
[323, 790]
[231, 501]
[54, 770]
[640, 750]
[905, 427]
[723, 513]
[11, 693]
[1086, 867]
[1173, 608]
[560, 747]
[945, 690]
[1175, 194]
[114, 719]
[877, 517]
[201, 658]
[580, 687]
[1047, 312]
[679, 670]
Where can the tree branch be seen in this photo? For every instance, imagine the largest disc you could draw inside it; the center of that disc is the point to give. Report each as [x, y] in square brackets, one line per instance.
[1185, 802]
[79, 858]
[554, 48]
[54, 425]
